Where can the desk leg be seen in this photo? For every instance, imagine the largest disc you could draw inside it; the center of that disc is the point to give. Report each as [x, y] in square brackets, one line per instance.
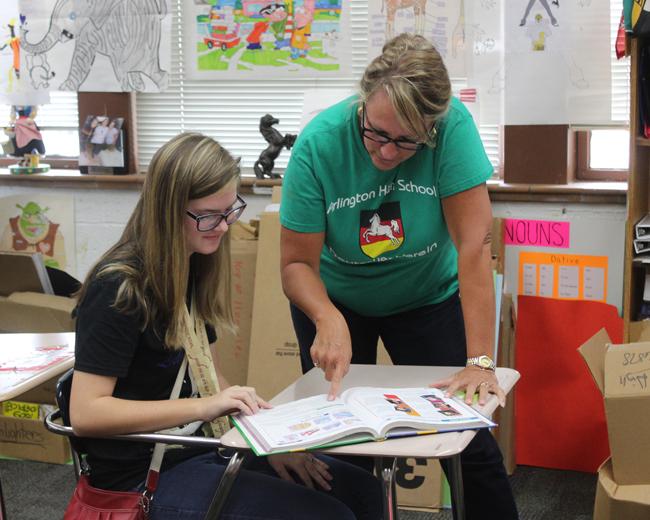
[456, 484]
[226, 482]
[385, 470]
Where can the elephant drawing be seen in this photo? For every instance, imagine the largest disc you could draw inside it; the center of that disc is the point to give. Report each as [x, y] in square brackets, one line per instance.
[128, 32]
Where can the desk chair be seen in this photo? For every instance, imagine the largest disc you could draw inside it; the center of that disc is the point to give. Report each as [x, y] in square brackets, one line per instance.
[63, 388]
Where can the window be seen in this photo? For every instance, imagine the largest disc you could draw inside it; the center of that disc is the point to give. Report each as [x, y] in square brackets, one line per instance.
[603, 154]
[59, 125]
[230, 110]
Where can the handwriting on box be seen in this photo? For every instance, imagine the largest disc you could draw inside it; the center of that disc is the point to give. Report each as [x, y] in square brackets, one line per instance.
[637, 376]
[627, 371]
[20, 410]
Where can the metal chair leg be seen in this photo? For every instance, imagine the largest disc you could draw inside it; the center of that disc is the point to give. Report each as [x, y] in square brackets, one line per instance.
[226, 482]
[385, 471]
[456, 485]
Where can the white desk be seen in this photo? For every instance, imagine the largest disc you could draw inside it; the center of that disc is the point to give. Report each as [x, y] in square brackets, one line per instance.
[443, 445]
[27, 360]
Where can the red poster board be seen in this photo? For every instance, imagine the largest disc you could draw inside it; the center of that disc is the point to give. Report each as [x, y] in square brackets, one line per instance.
[559, 412]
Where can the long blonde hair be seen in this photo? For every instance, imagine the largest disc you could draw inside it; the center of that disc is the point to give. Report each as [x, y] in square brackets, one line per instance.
[412, 73]
[151, 256]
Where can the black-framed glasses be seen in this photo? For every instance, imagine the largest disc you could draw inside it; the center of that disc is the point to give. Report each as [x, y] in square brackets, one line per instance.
[382, 138]
[210, 221]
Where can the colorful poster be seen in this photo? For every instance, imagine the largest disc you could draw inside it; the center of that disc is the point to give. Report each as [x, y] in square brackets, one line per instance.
[564, 277]
[442, 22]
[40, 224]
[540, 233]
[109, 45]
[266, 38]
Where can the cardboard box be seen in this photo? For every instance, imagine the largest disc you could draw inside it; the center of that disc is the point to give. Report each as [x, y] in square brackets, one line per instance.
[233, 347]
[504, 433]
[614, 501]
[622, 373]
[28, 439]
[274, 361]
[36, 312]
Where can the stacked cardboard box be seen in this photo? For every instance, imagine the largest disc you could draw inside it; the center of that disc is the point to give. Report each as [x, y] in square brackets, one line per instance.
[233, 346]
[24, 436]
[622, 373]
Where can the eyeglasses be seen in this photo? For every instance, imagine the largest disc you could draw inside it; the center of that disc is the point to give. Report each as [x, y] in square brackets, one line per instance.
[382, 138]
[211, 220]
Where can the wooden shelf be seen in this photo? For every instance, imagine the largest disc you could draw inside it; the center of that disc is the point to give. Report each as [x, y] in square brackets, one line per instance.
[642, 141]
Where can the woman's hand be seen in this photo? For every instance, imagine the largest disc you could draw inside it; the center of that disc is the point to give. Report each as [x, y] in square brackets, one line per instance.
[310, 470]
[332, 350]
[234, 399]
[472, 379]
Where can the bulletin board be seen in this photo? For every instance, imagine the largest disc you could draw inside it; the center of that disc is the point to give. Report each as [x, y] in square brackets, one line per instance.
[580, 257]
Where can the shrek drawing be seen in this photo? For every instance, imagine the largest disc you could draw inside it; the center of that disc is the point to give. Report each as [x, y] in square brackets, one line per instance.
[33, 232]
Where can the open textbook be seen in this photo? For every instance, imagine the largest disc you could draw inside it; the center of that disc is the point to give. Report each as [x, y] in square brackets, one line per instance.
[360, 414]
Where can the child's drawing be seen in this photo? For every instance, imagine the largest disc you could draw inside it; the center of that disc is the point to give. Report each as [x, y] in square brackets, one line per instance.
[95, 44]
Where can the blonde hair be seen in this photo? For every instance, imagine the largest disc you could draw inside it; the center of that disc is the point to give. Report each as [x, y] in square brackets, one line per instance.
[152, 256]
[411, 72]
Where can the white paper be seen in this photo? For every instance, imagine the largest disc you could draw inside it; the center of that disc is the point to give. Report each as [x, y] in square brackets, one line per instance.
[594, 283]
[317, 100]
[112, 45]
[546, 280]
[557, 62]
[530, 280]
[568, 281]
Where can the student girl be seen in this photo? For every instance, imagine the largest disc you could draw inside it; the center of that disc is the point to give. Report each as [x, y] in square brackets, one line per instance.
[171, 262]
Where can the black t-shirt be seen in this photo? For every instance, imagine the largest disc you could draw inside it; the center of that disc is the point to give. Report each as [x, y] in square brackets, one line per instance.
[111, 343]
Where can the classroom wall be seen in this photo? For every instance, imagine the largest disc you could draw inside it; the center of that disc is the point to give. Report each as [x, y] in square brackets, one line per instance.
[100, 216]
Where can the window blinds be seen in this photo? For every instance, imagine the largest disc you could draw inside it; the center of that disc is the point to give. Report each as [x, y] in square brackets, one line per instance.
[229, 110]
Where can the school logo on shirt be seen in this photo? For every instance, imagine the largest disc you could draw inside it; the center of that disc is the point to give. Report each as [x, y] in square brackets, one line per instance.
[381, 229]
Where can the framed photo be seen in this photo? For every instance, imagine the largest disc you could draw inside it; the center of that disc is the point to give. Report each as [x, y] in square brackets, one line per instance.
[101, 142]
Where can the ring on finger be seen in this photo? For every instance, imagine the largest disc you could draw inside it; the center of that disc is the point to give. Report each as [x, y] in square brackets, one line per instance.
[486, 383]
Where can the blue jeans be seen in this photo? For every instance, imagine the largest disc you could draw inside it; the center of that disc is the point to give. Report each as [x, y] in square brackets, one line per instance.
[185, 491]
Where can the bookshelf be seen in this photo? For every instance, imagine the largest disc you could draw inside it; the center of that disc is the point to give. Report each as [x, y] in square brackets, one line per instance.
[638, 201]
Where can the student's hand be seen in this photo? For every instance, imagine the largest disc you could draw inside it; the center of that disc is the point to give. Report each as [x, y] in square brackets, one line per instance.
[473, 379]
[311, 471]
[234, 399]
[332, 351]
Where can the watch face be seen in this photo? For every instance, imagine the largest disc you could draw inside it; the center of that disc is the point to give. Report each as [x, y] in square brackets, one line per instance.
[485, 361]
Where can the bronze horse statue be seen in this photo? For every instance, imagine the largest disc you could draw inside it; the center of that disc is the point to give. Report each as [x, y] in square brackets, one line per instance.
[263, 167]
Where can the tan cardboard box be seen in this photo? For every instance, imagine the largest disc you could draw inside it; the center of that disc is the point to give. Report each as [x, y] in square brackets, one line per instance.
[504, 433]
[622, 373]
[233, 347]
[36, 312]
[28, 439]
[274, 361]
[616, 502]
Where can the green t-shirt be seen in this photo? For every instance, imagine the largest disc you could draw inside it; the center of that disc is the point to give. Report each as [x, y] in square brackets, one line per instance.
[387, 248]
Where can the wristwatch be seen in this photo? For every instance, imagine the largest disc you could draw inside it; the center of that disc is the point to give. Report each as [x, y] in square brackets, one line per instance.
[484, 362]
